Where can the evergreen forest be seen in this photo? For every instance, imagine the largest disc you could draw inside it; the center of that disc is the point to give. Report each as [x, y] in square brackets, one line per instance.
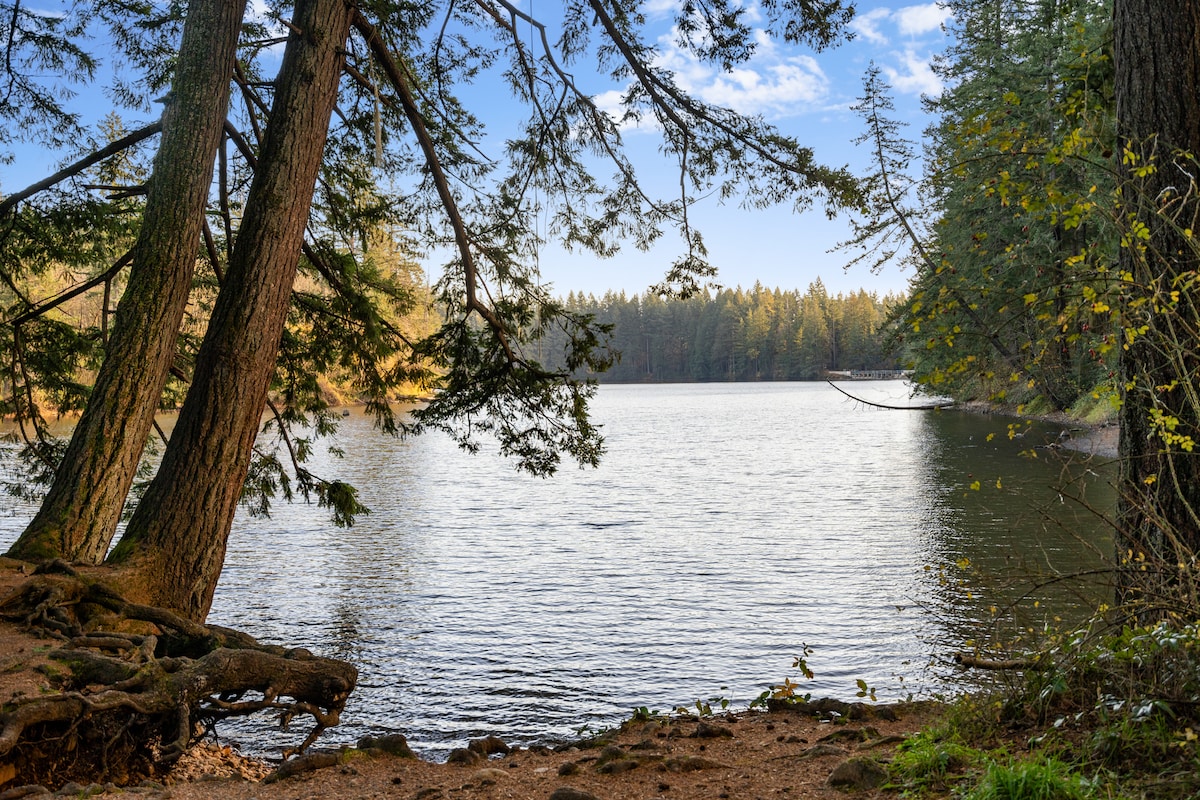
[758, 334]
[1015, 228]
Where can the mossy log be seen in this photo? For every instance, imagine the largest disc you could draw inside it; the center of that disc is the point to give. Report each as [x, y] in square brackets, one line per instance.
[138, 684]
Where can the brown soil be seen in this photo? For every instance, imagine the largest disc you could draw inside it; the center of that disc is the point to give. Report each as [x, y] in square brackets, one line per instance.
[757, 755]
[778, 754]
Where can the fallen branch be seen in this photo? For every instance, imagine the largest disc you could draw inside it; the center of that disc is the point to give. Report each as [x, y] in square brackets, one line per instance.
[968, 660]
[926, 407]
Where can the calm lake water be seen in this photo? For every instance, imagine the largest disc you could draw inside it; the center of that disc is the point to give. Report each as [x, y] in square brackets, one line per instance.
[729, 526]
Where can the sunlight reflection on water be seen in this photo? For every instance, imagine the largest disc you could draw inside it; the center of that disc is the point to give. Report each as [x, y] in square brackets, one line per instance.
[728, 525]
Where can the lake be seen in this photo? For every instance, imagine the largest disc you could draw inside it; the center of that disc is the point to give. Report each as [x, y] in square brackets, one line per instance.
[728, 527]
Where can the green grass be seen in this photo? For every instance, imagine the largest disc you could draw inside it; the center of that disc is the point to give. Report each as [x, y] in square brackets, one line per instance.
[1044, 779]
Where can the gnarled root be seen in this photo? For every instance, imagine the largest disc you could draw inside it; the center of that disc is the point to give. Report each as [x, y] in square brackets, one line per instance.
[130, 686]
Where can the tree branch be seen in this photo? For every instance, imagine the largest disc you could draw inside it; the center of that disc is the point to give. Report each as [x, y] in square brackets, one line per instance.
[123, 143]
[470, 273]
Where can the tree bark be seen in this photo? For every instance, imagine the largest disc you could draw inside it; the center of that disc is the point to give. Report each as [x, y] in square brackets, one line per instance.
[176, 539]
[1157, 86]
[79, 515]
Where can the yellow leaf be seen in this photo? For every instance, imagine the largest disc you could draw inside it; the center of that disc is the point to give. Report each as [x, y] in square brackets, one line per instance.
[975, 486]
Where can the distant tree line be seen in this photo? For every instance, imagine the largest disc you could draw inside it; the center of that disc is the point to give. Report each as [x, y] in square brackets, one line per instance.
[737, 334]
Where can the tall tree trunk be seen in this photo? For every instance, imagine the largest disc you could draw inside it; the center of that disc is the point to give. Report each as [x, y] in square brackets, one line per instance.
[1157, 63]
[79, 515]
[176, 539]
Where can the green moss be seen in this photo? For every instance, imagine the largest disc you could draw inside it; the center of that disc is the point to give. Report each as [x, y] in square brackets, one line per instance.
[1096, 407]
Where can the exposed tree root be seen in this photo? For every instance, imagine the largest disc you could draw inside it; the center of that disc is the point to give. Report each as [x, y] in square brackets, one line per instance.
[138, 684]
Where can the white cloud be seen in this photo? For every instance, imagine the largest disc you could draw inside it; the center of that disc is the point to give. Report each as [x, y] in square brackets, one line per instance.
[774, 90]
[661, 8]
[259, 10]
[926, 18]
[916, 76]
[766, 84]
[610, 103]
[867, 25]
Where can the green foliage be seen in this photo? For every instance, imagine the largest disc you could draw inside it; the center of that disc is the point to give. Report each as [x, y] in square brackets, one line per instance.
[705, 708]
[933, 760]
[1016, 283]
[645, 714]
[1029, 780]
[499, 356]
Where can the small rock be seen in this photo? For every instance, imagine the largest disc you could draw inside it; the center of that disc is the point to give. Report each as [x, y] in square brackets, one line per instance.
[393, 744]
[856, 734]
[706, 730]
[690, 764]
[824, 749]
[859, 774]
[609, 753]
[428, 793]
[489, 745]
[464, 757]
[567, 793]
[617, 767]
[28, 790]
[488, 776]
[569, 768]
[882, 742]
[71, 789]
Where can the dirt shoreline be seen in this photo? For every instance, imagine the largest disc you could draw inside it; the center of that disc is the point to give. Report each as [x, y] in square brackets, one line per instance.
[753, 755]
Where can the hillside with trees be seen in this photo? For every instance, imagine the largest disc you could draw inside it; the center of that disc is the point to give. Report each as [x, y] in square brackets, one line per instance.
[737, 334]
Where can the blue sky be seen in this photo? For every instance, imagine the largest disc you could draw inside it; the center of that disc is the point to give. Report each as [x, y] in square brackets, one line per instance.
[807, 95]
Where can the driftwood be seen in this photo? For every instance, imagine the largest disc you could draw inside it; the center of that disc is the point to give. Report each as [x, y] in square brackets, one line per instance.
[137, 685]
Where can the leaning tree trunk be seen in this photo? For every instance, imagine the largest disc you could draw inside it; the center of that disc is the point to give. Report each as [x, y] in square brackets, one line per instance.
[79, 515]
[176, 539]
[1157, 62]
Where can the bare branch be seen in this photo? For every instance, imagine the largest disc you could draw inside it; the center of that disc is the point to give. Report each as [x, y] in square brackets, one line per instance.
[123, 143]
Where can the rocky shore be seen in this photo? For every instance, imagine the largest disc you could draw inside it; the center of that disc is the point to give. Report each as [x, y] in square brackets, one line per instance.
[801, 753]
